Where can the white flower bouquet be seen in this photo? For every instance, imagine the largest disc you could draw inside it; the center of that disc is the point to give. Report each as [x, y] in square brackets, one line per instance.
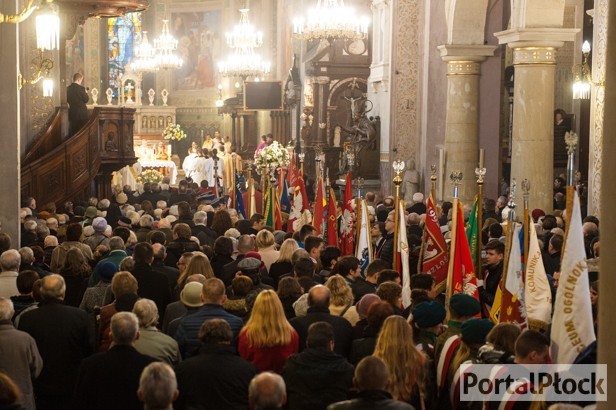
[273, 156]
[150, 175]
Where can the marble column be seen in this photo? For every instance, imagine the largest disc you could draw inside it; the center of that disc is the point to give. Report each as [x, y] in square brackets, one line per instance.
[10, 118]
[323, 82]
[532, 151]
[607, 280]
[462, 121]
[597, 105]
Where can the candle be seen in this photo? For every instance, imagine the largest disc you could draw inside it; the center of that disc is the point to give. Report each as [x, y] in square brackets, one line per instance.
[481, 152]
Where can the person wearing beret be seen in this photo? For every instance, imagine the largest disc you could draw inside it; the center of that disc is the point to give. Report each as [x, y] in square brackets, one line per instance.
[428, 320]
[461, 308]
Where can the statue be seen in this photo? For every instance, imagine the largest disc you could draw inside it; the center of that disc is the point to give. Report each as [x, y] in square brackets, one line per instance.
[362, 133]
[410, 181]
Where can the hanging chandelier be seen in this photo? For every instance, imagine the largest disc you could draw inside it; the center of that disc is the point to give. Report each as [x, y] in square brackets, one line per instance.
[244, 62]
[331, 20]
[165, 46]
[145, 56]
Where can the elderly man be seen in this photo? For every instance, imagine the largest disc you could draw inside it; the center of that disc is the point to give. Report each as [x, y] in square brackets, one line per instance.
[158, 387]
[110, 380]
[19, 356]
[152, 284]
[217, 376]
[213, 297]
[145, 227]
[205, 235]
[9, 262]
[152, 342]
[267, 391]
[64, 336]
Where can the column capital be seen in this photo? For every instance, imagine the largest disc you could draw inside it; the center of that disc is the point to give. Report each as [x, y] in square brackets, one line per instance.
[322, 80]
[536, 37]
[465, 52]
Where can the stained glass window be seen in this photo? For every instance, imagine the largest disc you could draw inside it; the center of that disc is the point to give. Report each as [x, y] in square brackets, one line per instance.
[123, 35]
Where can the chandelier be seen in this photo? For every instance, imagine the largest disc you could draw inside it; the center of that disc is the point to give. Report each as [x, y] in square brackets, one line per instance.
[331, 20]
[145, 56]
[244, 62]
[165, 46]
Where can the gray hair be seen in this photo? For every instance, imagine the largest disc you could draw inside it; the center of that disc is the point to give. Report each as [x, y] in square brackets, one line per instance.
[146, 221]
[10, 260]
[200, 217]
[53, 287]
[6, 309]
[52, 222]
[127, 264]
[266, 390]
[50, 240]
[161, 204]
[146, 312]
[116, 243]
[159, 250]
[30, 226]
[158, 386]
[124, 328]
[103, 204]
[27, 255]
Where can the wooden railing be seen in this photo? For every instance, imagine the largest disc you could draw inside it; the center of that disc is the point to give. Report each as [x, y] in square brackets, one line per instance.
[56, 169]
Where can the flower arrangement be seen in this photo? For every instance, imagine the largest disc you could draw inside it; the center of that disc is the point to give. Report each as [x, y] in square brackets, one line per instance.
[150, 175]
[174, 132]
[273, 156]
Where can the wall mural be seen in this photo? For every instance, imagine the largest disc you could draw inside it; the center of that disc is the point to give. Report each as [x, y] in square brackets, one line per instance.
[200, 41]
[75, 55]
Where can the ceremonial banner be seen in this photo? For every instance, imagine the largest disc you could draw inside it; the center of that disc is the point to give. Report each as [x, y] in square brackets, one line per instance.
[435, 259]
[461, 274]
[239, 201]
[300, 211]
[572, 323]
[537, 293]
[401, 258]
[512, 308]
[319, 208]
[364, 240]
[332, 220]
[347, 230]
[472, 232]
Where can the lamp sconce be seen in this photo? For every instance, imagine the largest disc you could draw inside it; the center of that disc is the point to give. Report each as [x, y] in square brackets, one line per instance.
[42, 67]
[583, 76]
[220, 102]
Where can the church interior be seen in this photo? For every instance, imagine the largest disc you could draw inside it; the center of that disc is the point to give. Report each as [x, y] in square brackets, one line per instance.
[509, 89]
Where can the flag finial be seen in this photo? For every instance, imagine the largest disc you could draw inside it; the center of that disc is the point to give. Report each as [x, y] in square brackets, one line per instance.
[456, 177]
[398, 168]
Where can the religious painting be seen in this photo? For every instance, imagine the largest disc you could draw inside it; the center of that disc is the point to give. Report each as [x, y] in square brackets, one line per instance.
[199, 45]
[123, 36]
[75, 55]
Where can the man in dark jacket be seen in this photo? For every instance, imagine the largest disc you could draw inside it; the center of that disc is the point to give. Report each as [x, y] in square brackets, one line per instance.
[152, 284]
[317, 369]
[217, 377]
[64, 336]
[492, 272]
[181, 244]
[371, 377]
[109, 380]
[318, 311]
[387, 249]
[77, 98]
[245, 244]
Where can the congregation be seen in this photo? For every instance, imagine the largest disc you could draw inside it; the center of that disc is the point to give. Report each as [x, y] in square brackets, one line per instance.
[155, 300]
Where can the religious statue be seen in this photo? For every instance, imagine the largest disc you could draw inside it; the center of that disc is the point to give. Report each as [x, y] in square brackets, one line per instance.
[110, 144]
[160, 152]
[362, 132]
[410, 181]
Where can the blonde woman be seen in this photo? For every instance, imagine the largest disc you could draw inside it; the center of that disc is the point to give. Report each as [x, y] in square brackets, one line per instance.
[198, 264]
[267, 339]
[266, 246]
[284, 263]
[341, 299]
[406, 364]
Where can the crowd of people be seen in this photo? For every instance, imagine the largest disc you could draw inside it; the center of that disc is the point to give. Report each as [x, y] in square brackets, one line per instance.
[157, 301]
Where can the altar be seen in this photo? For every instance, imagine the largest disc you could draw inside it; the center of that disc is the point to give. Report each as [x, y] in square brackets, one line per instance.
[167, 168]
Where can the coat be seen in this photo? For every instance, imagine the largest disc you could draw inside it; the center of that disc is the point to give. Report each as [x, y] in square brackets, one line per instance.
[216, 378]
[20, 360]
[371, 400]
[343, 331]
[110, 380]
[77, 98]
[316, 370]
[64, 336]
[152, 285]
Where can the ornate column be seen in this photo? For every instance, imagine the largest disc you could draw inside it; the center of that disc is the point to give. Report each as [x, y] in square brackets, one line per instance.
[597, 106]
[10, 116]
[322, 81]
[462, 122]
[607, 281]
[532, 151]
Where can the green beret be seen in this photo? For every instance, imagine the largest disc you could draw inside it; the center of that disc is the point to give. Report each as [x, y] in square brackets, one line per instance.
[464, 305]
[474, 331]
[429, 314]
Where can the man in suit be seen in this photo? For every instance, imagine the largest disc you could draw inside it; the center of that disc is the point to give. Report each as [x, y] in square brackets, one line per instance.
[153, 285]
[64, 336]
[109, 380]
[77, 98]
